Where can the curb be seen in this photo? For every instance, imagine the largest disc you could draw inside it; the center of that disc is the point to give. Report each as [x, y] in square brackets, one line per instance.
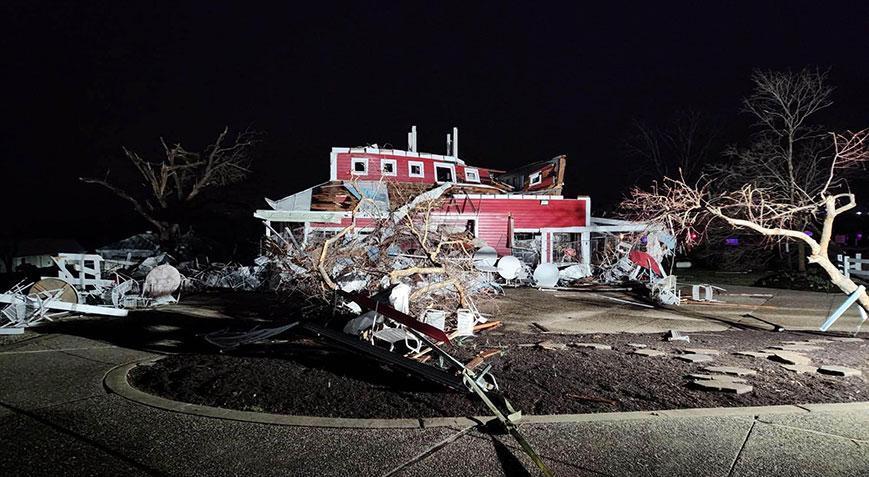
[115, 380]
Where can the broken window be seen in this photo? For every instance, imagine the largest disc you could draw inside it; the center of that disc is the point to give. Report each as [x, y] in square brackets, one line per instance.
[535, 178]
[444, 173]
[566, 247]
[388, 167]
[526, 247]
[360, 166]
[414, 169]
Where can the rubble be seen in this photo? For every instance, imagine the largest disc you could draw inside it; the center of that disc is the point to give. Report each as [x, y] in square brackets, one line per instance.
[733, 370]
[839, 371]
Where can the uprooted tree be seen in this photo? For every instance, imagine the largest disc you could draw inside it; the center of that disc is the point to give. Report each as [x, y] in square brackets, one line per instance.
[175, 181]
[763, 207]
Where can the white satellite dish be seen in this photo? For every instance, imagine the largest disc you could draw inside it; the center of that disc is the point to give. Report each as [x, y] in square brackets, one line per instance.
[486, 257]
[546, 275]
[509, 267]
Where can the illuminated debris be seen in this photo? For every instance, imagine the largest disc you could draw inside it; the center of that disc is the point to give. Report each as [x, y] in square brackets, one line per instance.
[695, 357]
[720, 377]
[754, 354]
[789, 357]
[591, 345]
[839, 371]
[723, 385]
[733, 370]
[649, 352]
[800, 368]
[793, 347]
[702, 351]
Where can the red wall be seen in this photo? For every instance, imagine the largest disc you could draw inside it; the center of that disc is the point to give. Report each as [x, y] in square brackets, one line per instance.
[527, 214]
[344, 161]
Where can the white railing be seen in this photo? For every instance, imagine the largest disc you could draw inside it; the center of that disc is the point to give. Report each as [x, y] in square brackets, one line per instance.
[856, 265]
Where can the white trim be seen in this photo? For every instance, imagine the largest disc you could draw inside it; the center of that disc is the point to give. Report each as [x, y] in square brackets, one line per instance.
[444, 165]
[399, 152]
[421, 168]
[354, 161]
[394, 163]
[475, 172]
[333, 164]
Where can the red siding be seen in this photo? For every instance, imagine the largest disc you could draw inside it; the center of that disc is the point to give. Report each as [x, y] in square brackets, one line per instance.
[493, 214]
[344, 163]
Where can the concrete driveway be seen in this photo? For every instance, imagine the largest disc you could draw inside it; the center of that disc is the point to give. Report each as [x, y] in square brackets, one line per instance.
[583, 312]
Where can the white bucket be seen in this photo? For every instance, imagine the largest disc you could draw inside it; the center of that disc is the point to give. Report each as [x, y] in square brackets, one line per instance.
[436, 318]
[464, 322]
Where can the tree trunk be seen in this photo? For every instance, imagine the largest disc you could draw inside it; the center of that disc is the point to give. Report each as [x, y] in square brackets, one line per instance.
[840, 280]
[801, 257]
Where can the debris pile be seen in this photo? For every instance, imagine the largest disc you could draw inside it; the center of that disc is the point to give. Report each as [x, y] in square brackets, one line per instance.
[81, 287]
[433, 257]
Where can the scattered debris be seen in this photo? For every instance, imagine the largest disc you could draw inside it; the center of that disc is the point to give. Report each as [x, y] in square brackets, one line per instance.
[789, 357]
[800, 368]
[695, 357]
[839, 371]
[637, 345]
[674, 335]
[550, 345]
[649, 352]
[722, 385]
[702, 351]
[754, 354]
[792, 347]
[732, 370]
[591, 345]
[720, 377]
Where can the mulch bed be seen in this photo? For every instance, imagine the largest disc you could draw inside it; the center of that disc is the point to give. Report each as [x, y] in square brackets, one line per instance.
[308, 378]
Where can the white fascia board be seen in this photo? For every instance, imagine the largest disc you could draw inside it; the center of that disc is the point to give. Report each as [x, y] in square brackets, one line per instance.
[301, 216]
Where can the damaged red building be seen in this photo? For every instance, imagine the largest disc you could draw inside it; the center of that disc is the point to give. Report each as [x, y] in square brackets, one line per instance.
[520, 212]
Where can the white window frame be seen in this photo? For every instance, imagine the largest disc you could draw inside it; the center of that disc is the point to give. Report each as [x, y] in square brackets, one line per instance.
[394, 167]
[421, 165]
[472, 171]
[444, 165]
[354, 161]
[535, 178]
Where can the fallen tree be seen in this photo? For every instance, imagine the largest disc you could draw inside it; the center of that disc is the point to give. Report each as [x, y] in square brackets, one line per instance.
[414, 243]
[762, 207]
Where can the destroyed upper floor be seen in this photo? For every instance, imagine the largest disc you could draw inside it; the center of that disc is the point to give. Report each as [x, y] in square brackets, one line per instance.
[372, 163]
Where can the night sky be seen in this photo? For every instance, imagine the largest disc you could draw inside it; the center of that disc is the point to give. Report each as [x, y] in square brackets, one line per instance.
[523, 82]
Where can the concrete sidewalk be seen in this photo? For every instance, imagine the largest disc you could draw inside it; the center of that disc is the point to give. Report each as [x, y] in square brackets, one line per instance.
[57, 418]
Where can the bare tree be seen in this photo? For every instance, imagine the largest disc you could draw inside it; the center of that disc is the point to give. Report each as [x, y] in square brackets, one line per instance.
[684, 144]
[763, 208]
[788, 149]
[182, 176]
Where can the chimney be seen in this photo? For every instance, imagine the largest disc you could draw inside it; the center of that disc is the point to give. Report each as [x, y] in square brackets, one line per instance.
[456, 142]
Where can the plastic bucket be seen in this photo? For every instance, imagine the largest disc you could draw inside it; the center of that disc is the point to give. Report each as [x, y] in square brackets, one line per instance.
[464, 322]
[436, 318]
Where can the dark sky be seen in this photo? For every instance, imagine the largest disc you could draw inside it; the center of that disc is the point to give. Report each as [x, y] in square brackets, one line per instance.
[523, 82]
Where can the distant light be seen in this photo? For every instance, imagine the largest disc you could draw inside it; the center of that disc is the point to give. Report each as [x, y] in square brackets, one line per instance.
[809, 233]
[734, 241]
[859, 212]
